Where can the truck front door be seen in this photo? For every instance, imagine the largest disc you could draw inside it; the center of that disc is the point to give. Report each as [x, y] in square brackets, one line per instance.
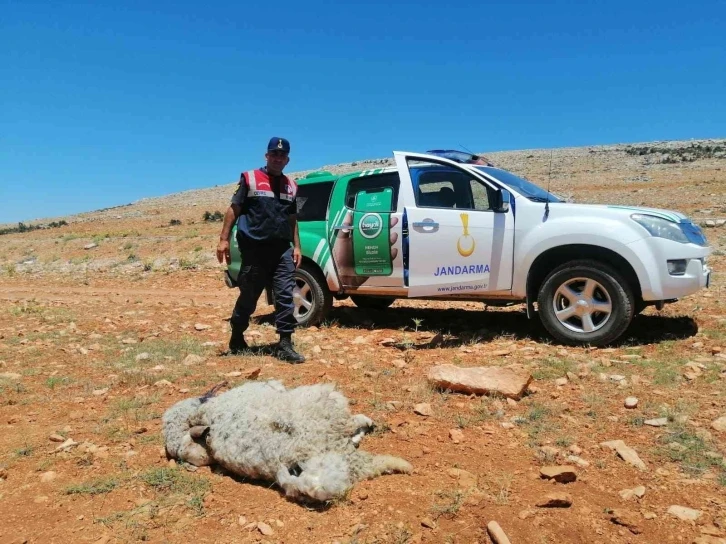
[460, 240]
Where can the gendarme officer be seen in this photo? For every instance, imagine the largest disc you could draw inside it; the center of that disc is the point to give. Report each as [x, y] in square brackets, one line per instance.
[265, 209]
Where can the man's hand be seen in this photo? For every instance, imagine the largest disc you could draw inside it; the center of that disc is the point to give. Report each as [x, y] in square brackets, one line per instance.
[296, 256]
[223, 251]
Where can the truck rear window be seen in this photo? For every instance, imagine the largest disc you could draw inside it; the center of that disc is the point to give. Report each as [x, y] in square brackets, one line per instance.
[312, 201]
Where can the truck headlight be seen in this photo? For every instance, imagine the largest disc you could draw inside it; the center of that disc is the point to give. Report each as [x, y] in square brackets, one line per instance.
[660, 228]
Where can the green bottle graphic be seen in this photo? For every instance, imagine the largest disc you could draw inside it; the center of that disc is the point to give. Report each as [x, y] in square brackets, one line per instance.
[371, 219]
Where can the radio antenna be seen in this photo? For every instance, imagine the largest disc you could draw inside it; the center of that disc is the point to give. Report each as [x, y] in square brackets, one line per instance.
[549, 180]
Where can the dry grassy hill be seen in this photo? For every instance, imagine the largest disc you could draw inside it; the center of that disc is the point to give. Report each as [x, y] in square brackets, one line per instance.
[689, 176]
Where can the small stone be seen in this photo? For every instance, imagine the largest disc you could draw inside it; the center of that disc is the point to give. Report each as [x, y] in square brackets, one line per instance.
[631, 402]
[142, 357]
[234, 374]
[68, 444]
[628, 454]
[253, 373]
[556, 500]
[628, 494]
[660, 422]
[423, 409]
[684, 513]
[56, 438]
[242, 521]
[562, 475]
[192, 359]
[90, 246]
[497, 534]
[162, 383]
[47, 477]
[627, 520]
[426, 522]
[202, 327]
[456, 436]
[720, 424]
[100, 392]
[560, 382]
[265, 529]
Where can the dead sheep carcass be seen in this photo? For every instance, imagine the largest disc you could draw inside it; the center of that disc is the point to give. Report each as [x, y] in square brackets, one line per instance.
[305, 439]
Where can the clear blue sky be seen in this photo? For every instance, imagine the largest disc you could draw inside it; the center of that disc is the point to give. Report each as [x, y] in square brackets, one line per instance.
[103, 103]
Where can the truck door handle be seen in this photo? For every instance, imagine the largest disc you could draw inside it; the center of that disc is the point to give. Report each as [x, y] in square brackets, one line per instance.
[425, 224]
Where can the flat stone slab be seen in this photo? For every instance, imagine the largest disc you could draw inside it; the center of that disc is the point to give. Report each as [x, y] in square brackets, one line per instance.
[509, 382]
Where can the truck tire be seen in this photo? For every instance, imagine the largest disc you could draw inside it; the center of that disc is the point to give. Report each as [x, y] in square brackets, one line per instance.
[312, 298]
[372, 303]
[585, 302]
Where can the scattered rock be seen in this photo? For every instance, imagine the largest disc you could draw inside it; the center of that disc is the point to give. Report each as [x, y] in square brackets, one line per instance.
[456, 436]
[202, 326]
[706, 539]
[47, 477]
[720, 424]
[9, 376]
[90, 246]
[426, 522]
[162, 383]
[561, 382]
[628, 494]
[510, 382]
[626, 453]
[233, 374]
[660, 422]
[192, 359]
[68, 444]
[556, 500]
[265, 529]
[496, 533]
[394, 405]
[563, 475]
[3, 473]
[465, 479]
[142, 357]
[56, 438]
[684, 513]
[100, 392]
[423, 409]
[253, 373]
[631, 402]
[627, 520]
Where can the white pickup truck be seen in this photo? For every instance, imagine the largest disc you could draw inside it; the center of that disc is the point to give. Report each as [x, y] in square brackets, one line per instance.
[439, 227]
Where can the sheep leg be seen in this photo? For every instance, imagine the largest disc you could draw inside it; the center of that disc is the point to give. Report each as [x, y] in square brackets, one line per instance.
[198, 431]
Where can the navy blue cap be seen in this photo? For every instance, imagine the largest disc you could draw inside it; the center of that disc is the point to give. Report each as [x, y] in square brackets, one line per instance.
[278, 144]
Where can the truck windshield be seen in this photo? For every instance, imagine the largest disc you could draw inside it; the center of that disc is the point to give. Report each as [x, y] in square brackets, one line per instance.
[522, 186]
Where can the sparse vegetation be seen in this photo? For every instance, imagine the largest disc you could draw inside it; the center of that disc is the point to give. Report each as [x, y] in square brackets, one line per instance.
[213, 216]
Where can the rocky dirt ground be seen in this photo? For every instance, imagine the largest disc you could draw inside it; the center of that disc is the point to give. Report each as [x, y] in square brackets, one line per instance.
[96, 343]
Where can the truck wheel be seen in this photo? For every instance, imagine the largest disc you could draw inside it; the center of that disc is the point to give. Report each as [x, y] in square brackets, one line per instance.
[585, 302]
[372, 303]
[311, 296]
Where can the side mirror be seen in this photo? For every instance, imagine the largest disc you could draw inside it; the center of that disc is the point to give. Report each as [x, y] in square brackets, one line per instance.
[502, 203]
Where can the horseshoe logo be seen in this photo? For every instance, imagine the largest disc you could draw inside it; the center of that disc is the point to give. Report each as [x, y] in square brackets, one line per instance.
[465, 252]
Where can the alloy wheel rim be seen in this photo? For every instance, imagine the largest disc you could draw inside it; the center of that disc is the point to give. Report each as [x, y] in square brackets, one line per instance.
[582, 305]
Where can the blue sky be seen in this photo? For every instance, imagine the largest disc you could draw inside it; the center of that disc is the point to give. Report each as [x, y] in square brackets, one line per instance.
[103, 103]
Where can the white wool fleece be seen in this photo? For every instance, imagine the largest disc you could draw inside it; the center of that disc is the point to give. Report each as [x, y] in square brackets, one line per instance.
[304, 439]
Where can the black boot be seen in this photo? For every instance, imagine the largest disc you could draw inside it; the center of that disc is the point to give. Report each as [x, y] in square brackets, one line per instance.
[237, 343]
[286, 352]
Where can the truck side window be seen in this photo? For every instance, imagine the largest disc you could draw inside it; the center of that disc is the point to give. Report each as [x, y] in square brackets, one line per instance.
[480, 194]
[441, 186]
[379, 181]
[312, 201]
